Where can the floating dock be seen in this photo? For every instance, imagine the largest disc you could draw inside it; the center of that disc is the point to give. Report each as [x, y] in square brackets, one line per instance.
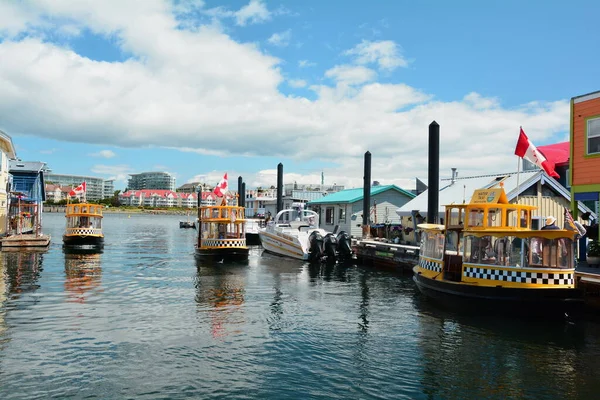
[391, 255]
[25, 240]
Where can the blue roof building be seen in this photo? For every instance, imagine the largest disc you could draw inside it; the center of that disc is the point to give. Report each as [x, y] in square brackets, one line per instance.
[344, 208]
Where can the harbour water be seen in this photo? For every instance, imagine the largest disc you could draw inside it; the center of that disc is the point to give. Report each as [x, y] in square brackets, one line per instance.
[143, 320]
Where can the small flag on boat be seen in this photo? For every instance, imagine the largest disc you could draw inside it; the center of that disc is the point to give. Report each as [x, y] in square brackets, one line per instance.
[573, 225]
[79, 189]
[526, 149]
[222, 187]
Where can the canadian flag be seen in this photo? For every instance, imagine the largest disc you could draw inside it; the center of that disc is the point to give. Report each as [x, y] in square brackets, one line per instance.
[77, 190]
[526, 149]
[222, 187]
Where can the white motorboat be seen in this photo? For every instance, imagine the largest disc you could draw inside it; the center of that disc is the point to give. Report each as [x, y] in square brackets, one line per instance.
[295, 233]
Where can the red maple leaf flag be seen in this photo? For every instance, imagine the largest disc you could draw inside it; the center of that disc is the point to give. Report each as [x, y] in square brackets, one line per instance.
[526, 149]
[222, 187]
[77, 190]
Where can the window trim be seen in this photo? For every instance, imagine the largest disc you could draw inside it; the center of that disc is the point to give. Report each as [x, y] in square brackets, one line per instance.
[332, 215]
[587, 136]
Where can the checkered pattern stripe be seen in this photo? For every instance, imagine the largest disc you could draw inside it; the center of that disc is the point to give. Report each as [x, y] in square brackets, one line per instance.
[224, 242]
[84, 231]
[430, 265]
[519, 276]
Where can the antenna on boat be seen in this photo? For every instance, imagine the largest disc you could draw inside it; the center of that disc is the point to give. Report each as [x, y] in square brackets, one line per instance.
[464, 194]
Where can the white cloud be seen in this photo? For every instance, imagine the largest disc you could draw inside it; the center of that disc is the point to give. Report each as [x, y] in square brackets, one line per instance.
[281, 39]
[384, 53]
[297, 83]
[254, 12]
[104, 154]
[120, 173]
[306, 63]
[350, 74]
[199, 90]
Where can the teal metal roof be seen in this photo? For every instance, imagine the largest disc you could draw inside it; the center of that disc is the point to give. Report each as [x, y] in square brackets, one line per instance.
[354, 195]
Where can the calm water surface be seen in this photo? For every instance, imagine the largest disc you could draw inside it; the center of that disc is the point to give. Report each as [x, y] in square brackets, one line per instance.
[144, 320]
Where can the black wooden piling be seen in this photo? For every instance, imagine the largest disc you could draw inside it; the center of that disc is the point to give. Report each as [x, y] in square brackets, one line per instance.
[243, 195]
[240, 198]
[279, 187]
[366, 195]
[433, 176]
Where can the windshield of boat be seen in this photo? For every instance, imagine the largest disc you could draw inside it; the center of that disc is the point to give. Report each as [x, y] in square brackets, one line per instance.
[308, 217]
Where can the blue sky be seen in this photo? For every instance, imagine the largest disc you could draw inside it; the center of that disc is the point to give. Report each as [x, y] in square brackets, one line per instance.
[200, 88]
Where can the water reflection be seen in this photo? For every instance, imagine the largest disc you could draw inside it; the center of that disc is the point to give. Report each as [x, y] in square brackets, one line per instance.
[83, 273]
[500, 357]
[23, 270]
[220, 292]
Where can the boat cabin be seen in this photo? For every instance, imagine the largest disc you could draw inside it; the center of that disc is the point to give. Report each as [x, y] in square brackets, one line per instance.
[221, 224]
[491, 236]
[84, 219]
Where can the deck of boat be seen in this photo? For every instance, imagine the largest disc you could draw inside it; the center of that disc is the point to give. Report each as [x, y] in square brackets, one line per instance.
[25, 240]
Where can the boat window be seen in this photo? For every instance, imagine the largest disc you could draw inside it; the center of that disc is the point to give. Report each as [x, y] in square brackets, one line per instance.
[76, 209]
[494, 217]
[84, 209]
[451, 241]
[433, 244]
[215, 213]
[481, 250]
[551, 253]
[475, 217]
[455, 216]
[524, 220]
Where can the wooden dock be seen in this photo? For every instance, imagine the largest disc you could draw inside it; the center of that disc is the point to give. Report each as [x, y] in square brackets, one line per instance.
[25, 240]
[398, 256]
[588, 280]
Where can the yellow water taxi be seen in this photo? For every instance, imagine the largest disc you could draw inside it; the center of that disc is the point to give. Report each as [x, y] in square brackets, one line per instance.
[486, 254]
[84, 227]
[222, 236]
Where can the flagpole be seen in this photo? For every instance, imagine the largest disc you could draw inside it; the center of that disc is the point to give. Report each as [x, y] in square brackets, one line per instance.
[518, 174]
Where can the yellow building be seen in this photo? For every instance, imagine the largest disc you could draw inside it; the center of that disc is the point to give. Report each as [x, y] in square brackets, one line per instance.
[7, 153]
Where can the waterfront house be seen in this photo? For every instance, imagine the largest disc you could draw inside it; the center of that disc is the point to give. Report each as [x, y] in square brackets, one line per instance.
[585, 148]
[533, 187]
[26, 197]
[344, 208]
[7, 153]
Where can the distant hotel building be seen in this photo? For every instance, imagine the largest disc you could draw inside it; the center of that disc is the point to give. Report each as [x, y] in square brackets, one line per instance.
[97, 188]
[151, 180]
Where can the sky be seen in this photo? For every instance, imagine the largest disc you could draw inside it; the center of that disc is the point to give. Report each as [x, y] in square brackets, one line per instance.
[200, 88]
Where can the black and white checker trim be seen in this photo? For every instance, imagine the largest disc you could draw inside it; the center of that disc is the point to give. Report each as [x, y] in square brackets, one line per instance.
[430, 265]
[519, 276]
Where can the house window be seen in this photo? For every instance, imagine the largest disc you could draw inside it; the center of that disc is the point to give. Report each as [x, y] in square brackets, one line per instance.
[593, 136]
[342, 215]
[329, 215]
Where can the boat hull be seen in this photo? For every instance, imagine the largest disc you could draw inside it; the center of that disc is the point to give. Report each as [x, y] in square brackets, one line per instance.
[282, 246]
[222, 255]
[514, 301]
[83, 242]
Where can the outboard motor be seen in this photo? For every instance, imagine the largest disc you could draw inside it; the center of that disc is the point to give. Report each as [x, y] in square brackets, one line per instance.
[330, 248]
[344, 246]
[315, 246]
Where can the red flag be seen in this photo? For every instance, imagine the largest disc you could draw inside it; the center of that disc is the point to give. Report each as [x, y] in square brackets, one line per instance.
[77, 190]
[222, 187]
[526, 149]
